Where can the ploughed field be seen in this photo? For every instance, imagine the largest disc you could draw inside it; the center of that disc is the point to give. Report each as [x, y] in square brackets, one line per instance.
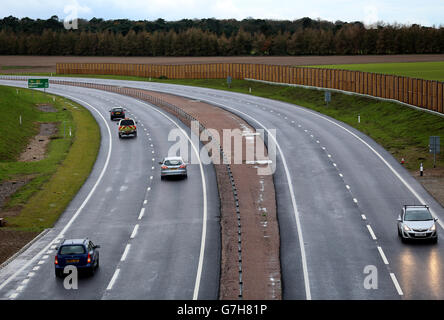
[47, 64]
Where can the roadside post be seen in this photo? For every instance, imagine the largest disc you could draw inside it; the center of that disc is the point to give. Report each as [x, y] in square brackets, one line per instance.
[327, 97]
[434, 148]
[421, 170]
[229, 80]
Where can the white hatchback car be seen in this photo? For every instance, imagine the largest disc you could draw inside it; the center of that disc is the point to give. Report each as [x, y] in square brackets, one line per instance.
[173, 166]
[416, 222]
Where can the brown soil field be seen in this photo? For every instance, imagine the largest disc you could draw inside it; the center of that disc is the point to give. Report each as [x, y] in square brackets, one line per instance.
[26, 64]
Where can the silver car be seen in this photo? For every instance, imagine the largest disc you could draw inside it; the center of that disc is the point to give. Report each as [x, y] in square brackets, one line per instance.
[416, 222]
[173, 166]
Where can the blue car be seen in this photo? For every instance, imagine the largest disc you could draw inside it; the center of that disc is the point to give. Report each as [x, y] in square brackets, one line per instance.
[81, 253]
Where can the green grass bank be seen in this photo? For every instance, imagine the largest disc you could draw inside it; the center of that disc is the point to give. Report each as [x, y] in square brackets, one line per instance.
[420, 70]
[55, 180]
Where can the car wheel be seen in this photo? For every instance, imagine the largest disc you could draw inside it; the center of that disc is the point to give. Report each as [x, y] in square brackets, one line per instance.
[97, 265]
[58, 273]
[435, 240]
[403, 240]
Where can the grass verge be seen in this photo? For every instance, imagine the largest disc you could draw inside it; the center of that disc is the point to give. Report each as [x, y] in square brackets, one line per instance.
[69, 160]
[421, 70]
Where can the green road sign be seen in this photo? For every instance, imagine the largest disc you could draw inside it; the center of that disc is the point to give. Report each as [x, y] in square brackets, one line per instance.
[38, 83]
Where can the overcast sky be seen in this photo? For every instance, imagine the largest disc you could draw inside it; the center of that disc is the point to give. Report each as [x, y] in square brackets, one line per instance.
[427, 12]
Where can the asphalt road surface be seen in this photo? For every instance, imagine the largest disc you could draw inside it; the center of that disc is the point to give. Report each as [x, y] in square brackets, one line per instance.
[150, 231]
[338, 197]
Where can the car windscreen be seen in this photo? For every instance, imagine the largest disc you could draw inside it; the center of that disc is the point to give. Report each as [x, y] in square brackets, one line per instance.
[73, 249]
[173, 162]
[417, 215]
[127, 123]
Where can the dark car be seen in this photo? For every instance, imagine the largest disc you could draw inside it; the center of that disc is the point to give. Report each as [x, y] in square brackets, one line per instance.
[81, 253]
[117, 113]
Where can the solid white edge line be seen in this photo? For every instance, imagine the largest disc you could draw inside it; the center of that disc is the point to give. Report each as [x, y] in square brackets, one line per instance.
[74, 217]
[384, 258]
[396, 283]
[113, 279]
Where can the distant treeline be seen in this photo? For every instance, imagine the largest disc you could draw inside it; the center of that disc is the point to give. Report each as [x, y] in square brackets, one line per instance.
[212, 37]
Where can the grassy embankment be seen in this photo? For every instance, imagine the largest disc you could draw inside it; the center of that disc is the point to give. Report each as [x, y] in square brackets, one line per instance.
[421, 70]
[68, 162]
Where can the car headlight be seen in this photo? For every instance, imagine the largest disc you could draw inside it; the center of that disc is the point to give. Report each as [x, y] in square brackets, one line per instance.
[406, 228]
[433, 228]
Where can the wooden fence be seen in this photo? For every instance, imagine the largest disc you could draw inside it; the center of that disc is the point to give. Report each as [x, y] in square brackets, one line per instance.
[425, 94]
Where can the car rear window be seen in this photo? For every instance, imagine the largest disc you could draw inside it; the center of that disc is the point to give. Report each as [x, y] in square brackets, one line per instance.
[118, 110]
[74, 249]
[417, 215]
[173, 162]
[127, 123]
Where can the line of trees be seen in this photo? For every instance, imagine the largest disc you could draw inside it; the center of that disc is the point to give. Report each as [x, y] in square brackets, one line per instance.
[211, 37]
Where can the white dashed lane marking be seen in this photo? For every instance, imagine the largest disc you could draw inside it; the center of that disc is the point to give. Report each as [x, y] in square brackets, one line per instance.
[113, 279]
[384, 258]
[142, 213]
[396, 283]
[371, 232]
[134, 233]
[125, 253]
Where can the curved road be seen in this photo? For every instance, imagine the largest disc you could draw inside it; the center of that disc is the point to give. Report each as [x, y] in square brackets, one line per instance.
[150, 231]
[338, 197]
